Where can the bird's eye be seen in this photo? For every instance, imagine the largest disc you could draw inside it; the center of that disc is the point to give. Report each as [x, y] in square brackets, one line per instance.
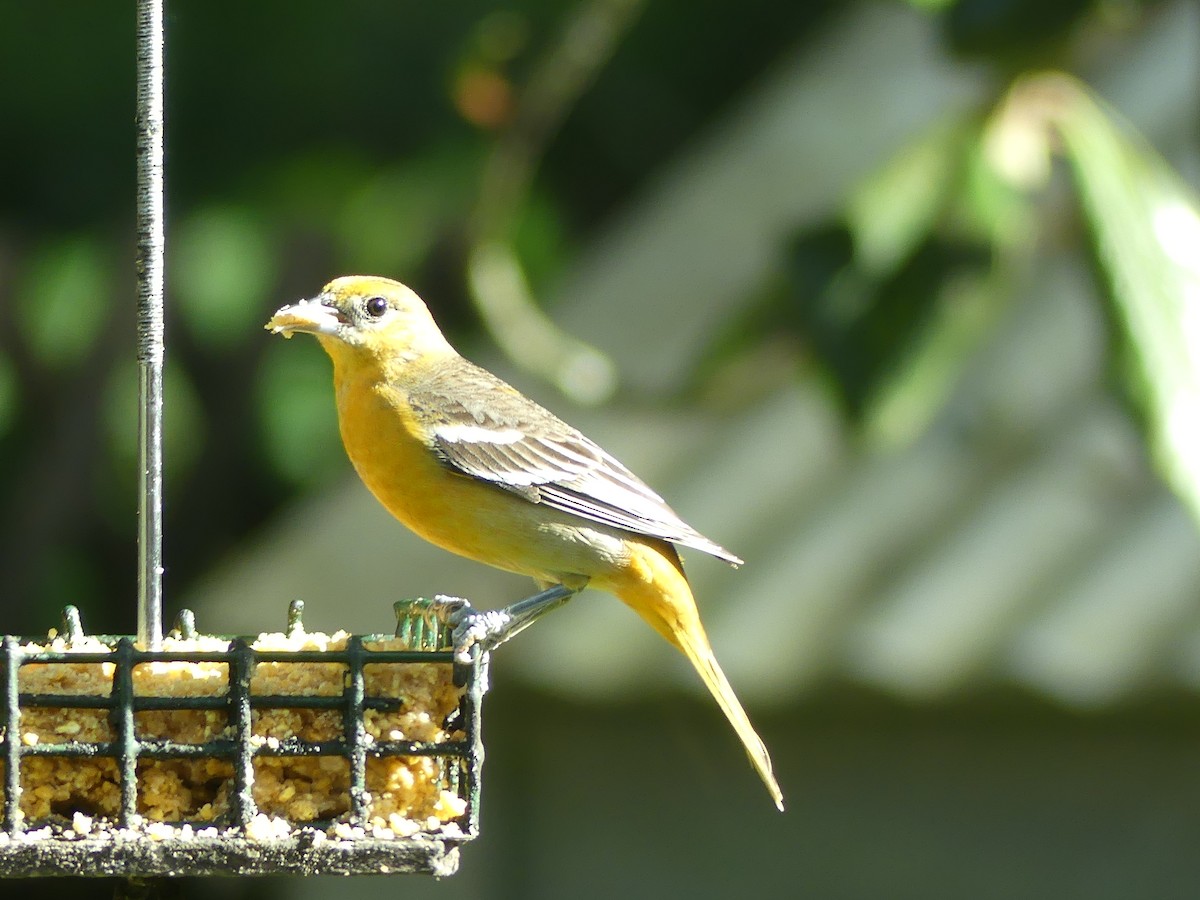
[376, 307]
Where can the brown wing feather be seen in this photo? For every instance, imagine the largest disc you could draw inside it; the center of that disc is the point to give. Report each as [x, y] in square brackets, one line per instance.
[484, 428]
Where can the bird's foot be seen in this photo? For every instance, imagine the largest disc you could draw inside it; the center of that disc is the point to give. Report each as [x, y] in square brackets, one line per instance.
[490, 628]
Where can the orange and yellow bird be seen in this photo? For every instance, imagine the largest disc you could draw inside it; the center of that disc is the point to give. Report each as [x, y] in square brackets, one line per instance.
[474, 466]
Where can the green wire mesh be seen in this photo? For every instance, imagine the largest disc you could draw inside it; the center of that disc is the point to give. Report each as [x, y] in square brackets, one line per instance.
[129, 845]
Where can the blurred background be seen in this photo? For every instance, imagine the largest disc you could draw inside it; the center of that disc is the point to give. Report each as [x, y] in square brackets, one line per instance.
[897, 300]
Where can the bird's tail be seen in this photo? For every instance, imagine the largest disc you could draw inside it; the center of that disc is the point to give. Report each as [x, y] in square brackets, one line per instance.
[662, 596]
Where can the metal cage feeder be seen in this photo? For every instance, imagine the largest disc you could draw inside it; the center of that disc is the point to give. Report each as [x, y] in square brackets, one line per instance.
[236, 836]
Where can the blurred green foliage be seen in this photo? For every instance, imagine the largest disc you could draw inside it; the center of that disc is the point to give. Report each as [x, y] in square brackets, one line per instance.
[309, 142]
[1145, 222]
[62, 301]
[218, 302]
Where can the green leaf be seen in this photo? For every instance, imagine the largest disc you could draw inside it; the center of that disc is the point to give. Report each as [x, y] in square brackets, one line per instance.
[870, 331]
[926, 229]
[1146, 227]
[968, 305]
[892, 211]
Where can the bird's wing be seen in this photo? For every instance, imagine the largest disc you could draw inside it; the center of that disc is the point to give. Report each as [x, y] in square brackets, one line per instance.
[482, 427]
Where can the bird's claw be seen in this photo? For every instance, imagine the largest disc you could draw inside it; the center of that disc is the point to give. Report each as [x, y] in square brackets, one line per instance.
[490, 628]
[485, 628]
[449, 610]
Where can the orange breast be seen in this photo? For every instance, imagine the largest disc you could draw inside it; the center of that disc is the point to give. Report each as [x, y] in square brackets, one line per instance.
[459, 513]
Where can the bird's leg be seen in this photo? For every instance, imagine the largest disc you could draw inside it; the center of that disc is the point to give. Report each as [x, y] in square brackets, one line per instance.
[491, 628]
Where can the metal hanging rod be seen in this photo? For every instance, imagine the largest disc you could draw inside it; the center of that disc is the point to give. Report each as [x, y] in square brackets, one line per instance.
[151, 244]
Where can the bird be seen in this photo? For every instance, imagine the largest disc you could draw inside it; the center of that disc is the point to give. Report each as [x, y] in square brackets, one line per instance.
[470, 464]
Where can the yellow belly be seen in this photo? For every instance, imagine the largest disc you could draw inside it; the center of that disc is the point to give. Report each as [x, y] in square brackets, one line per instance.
[457, 512]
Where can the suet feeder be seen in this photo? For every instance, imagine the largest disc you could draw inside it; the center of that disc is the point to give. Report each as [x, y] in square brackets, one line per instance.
[281, 753]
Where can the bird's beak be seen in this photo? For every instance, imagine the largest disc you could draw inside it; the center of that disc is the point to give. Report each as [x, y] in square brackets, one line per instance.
[315, 316]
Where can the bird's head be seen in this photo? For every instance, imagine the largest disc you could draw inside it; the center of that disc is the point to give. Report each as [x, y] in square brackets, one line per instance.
[364, 316]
